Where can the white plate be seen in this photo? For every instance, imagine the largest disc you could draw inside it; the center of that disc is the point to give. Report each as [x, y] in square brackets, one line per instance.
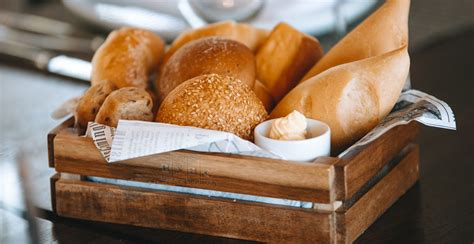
[315, 17]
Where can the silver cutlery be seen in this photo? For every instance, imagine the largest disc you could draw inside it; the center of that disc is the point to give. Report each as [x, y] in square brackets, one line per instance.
[47, 60]
[56, 43]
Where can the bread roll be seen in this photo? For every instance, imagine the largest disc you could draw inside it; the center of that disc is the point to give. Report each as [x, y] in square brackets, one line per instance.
[351, 98]
[213, 102]
[90, 103]
[284, 58]
[127, 58]
[250, 36]
[264, 95]
[206, 56]
[128, 103]
[383, 31]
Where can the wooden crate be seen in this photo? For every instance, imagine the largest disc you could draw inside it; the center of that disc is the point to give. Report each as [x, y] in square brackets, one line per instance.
[348, 193]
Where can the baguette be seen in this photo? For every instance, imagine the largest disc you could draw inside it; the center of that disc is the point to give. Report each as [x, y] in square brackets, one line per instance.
[351, 98]
[127, 58]
[383, 31]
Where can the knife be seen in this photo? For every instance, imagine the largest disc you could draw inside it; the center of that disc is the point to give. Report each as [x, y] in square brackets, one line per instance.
[56, 43]
[48, 61]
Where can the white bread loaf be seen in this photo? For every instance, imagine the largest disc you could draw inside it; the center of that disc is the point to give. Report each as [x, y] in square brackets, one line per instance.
[284, 58]
[384, 30]
[351, 98]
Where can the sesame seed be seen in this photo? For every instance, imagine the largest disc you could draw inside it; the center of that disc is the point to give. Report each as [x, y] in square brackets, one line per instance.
[216, 102]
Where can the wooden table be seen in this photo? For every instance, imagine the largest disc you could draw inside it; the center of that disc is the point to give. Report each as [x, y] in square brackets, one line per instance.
[439, 208]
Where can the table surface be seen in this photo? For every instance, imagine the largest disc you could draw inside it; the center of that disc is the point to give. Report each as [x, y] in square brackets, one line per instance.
[439, 208]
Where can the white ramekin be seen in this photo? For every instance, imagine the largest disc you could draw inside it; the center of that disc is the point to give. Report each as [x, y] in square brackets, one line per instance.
[317, 144]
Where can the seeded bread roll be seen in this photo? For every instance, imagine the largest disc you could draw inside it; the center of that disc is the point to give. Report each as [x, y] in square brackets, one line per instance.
[250, 36]
[127, 58]
[351, 98]
[211, 55]
[214, 102]
[284, 58]
[129, 103]
[90, 103]
[383, 31]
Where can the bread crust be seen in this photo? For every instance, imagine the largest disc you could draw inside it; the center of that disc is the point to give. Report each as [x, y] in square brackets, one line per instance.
[248, 35]
[264, 95]
[351, 98]
[91, 102]
[127, 58]
[214, 102]
[128, 103]
[211, 55]
[284, 58]
[383, 31]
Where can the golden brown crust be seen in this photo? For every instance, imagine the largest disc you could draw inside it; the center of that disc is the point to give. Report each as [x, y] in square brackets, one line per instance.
[211, 55]
[383, 31]
[127, 58]
[351, 98]
[128, 103]
[213, 102]
[250, 36]
[284, 58]
[90, 103]
[264, 95]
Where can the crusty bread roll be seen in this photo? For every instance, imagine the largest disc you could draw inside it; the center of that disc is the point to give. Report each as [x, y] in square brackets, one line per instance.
[128, 103]
[250, 36]
[383, 31]
[213, 102]
[284, 58]
[264, 95]
[90, 103]
[211, 55]
[351, 98]
[127, 58]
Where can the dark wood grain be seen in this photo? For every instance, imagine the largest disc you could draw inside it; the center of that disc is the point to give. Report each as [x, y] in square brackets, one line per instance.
[75, 198]
[221, 172]
[52, 134]
[184, 212]
[360, 165]
[316, 182]
[354, 221]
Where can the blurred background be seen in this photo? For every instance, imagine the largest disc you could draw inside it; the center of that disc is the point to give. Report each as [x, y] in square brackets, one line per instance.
[34, 33]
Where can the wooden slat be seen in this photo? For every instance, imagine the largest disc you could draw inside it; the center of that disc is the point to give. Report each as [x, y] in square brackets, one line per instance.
[221, 172]
[184, 212]
[52, 134]
[353, 222]
[52, 185]
[359, 166]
